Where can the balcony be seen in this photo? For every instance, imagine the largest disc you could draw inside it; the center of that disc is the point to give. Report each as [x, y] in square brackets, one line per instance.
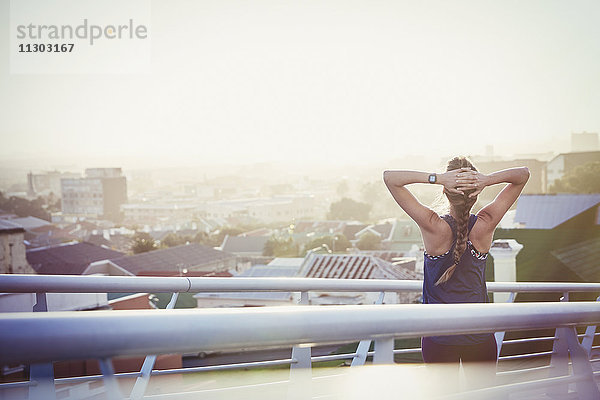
[568, 369]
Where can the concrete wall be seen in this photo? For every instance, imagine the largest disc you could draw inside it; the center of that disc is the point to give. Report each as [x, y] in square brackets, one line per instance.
[12, 254]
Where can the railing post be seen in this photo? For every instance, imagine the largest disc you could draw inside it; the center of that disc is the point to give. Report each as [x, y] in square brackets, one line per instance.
[500, 335]
[301, 367]
[362, 349]
[586, 387]
[559, 362]
[384, 351]
[141, 383]
[41, 375]
[110, 380]
[588, 338]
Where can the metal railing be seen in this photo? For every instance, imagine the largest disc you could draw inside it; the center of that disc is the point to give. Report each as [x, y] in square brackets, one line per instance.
[241, 328]
[123, 284]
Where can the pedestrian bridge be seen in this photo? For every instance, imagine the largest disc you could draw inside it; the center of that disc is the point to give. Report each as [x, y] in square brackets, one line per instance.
[569, 369]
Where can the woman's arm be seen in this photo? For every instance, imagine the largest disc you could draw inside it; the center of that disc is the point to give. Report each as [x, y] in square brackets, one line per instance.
[426, 218]
[489, 216]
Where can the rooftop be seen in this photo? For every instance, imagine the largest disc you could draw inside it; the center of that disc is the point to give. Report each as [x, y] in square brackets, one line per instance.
[244, 244]
[172, 259]
[353, 266]
[583, 258]
[545, 211]
[68, 258]
[10, 227]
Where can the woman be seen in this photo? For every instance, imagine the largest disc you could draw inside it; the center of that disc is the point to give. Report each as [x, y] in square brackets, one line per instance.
[456, 247]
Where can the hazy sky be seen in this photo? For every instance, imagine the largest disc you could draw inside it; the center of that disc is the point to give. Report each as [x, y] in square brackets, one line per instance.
[311, 80]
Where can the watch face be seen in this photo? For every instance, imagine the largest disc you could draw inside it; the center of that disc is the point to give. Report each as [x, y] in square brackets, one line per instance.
[432, 178]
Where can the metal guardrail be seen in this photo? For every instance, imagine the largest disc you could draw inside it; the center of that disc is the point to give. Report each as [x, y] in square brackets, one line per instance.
[151, 331]
[291, 325]
[123, 284]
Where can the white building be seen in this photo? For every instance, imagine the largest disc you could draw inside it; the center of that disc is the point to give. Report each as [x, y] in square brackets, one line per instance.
[99, 195]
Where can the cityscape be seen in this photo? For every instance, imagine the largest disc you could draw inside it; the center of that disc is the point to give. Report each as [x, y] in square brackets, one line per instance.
[227, 200]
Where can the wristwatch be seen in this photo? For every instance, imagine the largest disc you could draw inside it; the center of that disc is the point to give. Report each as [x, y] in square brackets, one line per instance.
[432, 178]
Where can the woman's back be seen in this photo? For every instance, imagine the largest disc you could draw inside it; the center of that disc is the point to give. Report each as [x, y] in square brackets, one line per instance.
[468, 282]
[466, 286]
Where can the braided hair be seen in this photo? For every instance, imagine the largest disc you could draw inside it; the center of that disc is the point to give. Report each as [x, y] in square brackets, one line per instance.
[462, 204]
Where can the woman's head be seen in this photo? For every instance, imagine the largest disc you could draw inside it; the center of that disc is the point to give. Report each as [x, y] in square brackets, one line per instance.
[461, 205]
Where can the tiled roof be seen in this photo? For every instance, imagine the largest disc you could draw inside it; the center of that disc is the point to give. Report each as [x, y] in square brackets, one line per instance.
[352, 266]
[385, 255]
[583, 258]
[67, 259]
[10, 227]
[548, 211]
[244, 244]
[171, 259]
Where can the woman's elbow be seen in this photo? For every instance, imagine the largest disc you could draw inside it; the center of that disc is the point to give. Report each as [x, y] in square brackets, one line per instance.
[386, 176]
[525, 174]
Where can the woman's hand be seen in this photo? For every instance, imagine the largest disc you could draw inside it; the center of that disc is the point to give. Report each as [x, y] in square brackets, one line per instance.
[455, 179]
[468, 179]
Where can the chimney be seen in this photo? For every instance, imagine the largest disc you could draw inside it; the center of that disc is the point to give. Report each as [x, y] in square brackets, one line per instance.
[505, 253]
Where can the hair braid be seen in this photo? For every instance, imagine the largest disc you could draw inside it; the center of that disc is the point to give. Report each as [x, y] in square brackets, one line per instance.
[462, 205]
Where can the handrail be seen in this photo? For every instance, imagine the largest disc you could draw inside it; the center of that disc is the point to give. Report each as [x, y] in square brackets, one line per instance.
[123, 284]
[45, 337]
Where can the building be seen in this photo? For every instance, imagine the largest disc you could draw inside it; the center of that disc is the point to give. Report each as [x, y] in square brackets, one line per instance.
[585, 141]
[68, 258]
[537, 179]
[395, 234]
[185, 260]
[552, 210]
[47, 182]
[12, 249]
[566, 162]
[559, 234]
[245, 246]
[99, 194]
[355, 266]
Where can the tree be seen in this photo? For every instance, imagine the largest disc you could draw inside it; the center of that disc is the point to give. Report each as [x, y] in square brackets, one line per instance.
[279, 247]
[337, 243]
[202, 238]
[25, 208]
[582, 179]
[369, 241]
[142, 242]
[346, 209]
[173, 239]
